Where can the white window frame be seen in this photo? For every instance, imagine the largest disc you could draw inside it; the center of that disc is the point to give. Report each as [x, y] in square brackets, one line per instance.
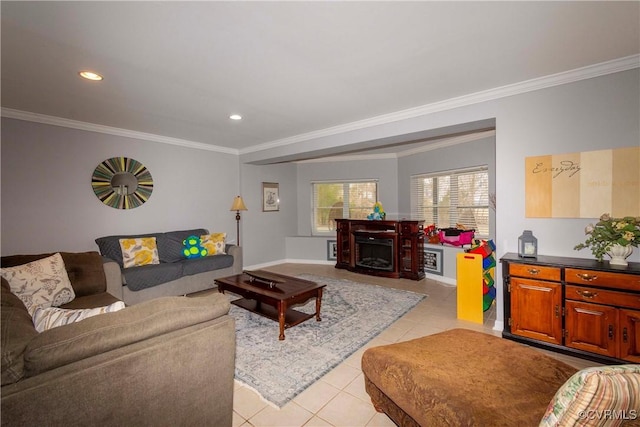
[418, 205]
[315, 231]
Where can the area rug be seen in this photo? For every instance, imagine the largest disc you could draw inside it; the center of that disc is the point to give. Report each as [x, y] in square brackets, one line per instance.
[352, 314]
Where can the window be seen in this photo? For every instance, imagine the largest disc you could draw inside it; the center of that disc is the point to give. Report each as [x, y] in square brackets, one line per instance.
[335, 199]
[454, 197]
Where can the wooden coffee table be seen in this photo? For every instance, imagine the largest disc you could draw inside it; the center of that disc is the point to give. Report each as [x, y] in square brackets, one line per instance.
[272, 295]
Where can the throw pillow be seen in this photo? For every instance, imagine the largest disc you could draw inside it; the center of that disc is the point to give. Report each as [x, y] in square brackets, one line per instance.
[40, 283]
[192, 247]
[139, 251]
[52, 317]
[590, 394]
[214, 243]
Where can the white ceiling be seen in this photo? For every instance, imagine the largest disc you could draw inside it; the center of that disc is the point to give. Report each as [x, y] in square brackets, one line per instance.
[179, 69]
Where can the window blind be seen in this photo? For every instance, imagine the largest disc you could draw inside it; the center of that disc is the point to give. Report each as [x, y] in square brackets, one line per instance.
[453, 197]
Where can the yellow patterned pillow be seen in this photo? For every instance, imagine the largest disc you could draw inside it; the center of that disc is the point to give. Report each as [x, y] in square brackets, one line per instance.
[140, 251]
[214, 243]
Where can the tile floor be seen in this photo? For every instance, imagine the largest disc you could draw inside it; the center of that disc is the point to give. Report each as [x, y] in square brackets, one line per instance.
[339, 398]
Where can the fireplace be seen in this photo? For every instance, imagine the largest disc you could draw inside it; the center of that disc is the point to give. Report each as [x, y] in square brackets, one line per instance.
[383, 248]
[374, 252]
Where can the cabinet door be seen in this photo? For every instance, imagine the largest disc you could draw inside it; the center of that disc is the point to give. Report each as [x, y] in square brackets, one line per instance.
[411, 255]
[592, 327]
[343, 242]
[406, 254]
[630, 335]
[535, 309]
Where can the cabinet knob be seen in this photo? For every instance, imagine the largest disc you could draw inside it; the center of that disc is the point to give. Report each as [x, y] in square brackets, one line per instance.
[610, 332]
[587, 277]
[533, 271]
[587, 294]
[625, 335]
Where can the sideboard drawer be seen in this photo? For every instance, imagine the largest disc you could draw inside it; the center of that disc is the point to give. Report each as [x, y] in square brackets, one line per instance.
[603, 278]
[601, 296]
[410, 228]
[535, 271]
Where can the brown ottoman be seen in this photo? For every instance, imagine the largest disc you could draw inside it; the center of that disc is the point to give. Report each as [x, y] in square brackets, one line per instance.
[462, 378]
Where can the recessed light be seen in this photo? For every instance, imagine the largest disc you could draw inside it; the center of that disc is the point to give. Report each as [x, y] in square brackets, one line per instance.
[235, 117]
[90, 75]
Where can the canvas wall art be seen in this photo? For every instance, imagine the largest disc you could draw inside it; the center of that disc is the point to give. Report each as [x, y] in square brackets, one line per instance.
[583, 185]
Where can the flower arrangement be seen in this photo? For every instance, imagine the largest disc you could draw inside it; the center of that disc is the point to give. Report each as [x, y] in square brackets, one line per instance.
[609, 231]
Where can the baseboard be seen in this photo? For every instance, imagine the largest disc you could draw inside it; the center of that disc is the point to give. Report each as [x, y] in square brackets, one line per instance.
[310, 261]
[441, 279]
[288, 261]
[263, 265]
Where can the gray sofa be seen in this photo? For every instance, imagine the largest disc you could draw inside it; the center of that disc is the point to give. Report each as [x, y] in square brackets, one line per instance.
[169, 361]
[175, 275]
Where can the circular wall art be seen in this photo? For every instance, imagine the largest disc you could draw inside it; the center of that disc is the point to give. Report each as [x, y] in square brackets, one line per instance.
[122, 183]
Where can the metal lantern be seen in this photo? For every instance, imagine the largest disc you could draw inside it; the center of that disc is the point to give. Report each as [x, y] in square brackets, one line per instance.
[527, 245]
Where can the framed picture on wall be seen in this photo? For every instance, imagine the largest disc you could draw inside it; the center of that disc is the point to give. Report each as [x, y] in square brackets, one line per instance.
[433, 261]
[332, 250]
[270, 197]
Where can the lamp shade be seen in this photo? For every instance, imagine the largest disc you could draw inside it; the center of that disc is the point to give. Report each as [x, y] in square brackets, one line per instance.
[238, 204]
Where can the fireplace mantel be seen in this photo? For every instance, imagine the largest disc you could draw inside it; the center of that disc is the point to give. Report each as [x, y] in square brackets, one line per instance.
[381, 248]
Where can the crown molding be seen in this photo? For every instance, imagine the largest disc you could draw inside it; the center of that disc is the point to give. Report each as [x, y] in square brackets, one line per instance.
[565, 77]
[92, 127]
[588, 72]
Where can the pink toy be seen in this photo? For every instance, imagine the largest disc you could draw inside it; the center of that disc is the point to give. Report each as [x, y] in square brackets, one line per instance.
[456, 237]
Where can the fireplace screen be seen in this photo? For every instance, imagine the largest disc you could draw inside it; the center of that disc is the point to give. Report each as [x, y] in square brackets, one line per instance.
[374, 253]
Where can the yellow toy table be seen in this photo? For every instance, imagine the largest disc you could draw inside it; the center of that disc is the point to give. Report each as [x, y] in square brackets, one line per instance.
[469, 273]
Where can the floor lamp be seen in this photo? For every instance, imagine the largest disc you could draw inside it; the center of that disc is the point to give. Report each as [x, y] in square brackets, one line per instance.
[238, 205]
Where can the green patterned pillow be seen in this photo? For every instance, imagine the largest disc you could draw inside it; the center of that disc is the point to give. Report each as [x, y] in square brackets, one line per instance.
[598, 396]
[140, 251]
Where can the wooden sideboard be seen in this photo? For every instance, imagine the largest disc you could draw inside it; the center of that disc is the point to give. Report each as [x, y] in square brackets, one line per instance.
[575, 306]
[401, 243]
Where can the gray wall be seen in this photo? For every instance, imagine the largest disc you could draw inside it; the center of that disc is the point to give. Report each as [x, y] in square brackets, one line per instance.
[48, 203]
[264, 233]
[592, 114]
[303, 246]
